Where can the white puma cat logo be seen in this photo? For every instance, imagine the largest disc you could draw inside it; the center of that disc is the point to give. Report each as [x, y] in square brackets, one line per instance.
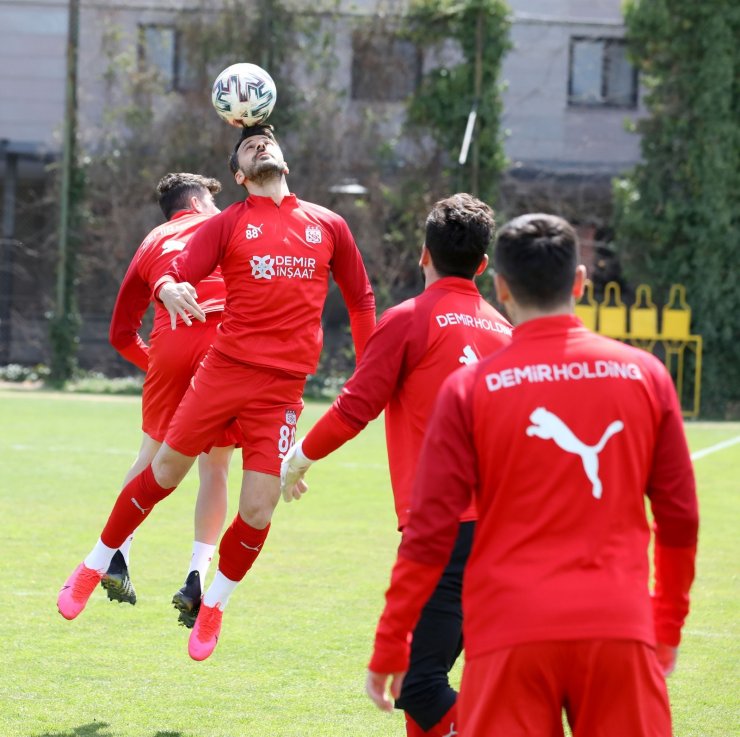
[548, 426]
[143, 510]
[467, 358]
[452, 731]
[173, 245]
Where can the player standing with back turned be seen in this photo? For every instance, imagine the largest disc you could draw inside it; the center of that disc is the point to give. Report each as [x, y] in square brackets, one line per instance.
[562, 435]
[414, 347]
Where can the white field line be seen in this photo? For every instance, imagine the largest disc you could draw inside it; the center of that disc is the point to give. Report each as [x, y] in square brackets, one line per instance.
[715, 448]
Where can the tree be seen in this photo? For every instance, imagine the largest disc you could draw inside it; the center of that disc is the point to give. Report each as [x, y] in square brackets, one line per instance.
[676, 213]
[448, 92]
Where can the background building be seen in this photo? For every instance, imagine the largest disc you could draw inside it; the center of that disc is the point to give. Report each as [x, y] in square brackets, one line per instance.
[569, 89]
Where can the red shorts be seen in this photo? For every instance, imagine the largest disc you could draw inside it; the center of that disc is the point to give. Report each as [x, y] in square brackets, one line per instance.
[266, 404]
[608, 688]
[174, 356]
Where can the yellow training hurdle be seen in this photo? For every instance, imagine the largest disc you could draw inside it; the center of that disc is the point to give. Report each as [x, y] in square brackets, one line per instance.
[639, 325]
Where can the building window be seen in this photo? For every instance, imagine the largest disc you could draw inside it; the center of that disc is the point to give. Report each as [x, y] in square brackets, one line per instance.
[160, 48]
[601, 74]
[384, 68]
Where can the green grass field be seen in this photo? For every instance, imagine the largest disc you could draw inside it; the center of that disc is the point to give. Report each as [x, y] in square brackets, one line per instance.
[297, 633]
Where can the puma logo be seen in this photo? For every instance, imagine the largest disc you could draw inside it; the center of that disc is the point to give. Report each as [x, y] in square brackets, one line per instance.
[173, 245]
[467, 358]
[138, 506]
[452, 731]
[249, 547]
[548, 426]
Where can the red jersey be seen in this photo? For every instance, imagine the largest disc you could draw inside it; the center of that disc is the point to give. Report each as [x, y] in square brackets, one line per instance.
[152, 259]
[561, 435]
[276, 261]
[413, 349]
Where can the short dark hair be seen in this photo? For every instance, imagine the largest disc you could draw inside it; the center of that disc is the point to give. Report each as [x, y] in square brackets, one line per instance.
[459, 230]
[176, 188]
[537, 254]
[253, 130]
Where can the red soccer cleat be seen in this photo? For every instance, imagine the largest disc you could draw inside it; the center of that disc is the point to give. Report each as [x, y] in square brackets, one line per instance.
[76, 591]
[204, 637]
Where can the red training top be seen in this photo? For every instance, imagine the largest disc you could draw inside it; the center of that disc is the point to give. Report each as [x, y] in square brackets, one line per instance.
[413, 349]
[152, 259]
[562, 434]
[276, 261]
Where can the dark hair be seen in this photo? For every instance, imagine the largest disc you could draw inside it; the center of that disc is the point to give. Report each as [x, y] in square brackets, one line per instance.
[176, 189]
[537, 254]
[254, 130]
[458, 231]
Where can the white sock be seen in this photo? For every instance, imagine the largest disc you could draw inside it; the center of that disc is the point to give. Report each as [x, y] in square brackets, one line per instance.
[219, 591]
[201, 559]
[100, 557]
[126, 548]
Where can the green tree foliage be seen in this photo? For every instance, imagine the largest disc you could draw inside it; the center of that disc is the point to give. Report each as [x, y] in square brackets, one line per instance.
[677, 215]
[480, 29]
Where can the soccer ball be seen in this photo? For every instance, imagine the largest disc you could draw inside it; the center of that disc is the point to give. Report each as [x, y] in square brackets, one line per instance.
[244, 95]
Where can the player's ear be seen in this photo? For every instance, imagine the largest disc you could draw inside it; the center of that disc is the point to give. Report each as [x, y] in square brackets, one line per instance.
[195, 204]
[482, 265]
[286, 170]
[239, 177]
[503, 293]
[425, 257]
[579, 282]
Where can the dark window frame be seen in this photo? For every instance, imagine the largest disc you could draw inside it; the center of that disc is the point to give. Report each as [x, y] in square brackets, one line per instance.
[604, 102]
[178, 81]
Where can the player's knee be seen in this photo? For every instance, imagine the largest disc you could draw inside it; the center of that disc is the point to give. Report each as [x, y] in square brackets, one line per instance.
[169, 469]
[257, 517]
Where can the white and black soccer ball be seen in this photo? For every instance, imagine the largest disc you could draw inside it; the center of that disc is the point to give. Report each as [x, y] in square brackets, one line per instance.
[244, 95]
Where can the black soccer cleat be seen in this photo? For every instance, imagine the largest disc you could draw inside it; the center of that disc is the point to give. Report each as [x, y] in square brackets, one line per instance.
[116, 581]
[187, 600]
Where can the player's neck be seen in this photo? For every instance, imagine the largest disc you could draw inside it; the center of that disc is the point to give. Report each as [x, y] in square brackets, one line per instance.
[520, 313]
[275, 189]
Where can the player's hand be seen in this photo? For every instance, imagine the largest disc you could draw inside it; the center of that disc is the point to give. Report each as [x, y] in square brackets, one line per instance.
[180, 298]
[376, 686]
[667, 656]
[292, 470]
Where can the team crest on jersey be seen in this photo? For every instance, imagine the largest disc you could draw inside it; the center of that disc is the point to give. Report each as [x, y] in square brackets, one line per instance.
[313, 234]
[263, 267]
[253, 231]
[290, 417]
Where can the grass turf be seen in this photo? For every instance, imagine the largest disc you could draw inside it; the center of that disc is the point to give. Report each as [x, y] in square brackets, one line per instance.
[297, 633]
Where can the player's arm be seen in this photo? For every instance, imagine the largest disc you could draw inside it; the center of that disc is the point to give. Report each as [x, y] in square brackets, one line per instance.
[361, 400]
[131, 304]
[672, 493]
[174, 289]
[446, 478]
[348, 270]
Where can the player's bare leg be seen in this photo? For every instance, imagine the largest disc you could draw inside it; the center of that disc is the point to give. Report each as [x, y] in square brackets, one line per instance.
[134, 503]
[209, 517]
[241, 544]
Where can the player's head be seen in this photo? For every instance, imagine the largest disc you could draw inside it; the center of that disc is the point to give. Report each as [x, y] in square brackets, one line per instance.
[184, 191]
[537, 255]
[257, 156]
[459, 230]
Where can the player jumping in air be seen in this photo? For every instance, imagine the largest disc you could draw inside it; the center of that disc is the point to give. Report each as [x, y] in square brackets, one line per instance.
[557, 613]
[170, 360]
[276, 254]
